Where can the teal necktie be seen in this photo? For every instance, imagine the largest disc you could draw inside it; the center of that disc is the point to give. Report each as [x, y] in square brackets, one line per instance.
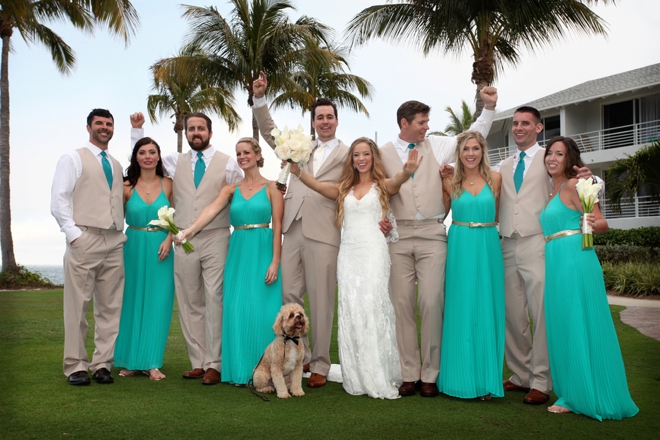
[410, 147]
[106, 168]
[520, 171]
[200, 168]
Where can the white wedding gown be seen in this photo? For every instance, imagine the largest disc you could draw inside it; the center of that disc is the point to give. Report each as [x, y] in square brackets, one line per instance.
[366, 325]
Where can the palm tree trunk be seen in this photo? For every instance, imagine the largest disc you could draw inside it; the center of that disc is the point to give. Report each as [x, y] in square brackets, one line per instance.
[255, 128]
[6, 241]
[179, 141]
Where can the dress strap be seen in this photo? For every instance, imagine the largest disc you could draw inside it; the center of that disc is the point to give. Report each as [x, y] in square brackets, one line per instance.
[161, 186]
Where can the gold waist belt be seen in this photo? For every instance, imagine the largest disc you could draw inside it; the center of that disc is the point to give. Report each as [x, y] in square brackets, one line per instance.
[150, 229]
[474, 224]
[259, 225]
[561, 234]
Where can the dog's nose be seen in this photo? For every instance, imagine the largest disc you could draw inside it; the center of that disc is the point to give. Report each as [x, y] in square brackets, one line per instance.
[298, 318]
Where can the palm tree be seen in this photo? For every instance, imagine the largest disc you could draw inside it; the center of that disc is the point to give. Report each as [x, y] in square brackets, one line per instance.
[28, 17]
[258, 35]
[626, 176]
[457, 124]
[311, 81]
[176, 96]
[494, 30]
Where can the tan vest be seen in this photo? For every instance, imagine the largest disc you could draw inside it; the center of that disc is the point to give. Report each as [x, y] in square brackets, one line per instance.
[94, 204]
[520, 212]
[190, 201]
[421, 193]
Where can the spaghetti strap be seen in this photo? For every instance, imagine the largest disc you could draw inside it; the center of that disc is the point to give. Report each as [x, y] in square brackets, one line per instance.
[161, 186]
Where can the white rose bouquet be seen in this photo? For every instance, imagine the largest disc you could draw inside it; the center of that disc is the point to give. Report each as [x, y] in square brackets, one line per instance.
[166, 221]
[588, 192]
[291, 146]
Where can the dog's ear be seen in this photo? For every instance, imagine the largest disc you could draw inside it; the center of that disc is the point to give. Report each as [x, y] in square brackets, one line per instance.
[277, 327]
[306, 328]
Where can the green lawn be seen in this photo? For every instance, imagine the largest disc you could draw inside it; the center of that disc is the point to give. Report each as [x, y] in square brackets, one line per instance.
[37, 403]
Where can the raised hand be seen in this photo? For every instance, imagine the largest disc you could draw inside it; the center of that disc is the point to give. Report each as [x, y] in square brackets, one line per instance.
[412, 163]
[137, 120]
[259, 85]
[446, 171]
[583, 173]
[488, 96]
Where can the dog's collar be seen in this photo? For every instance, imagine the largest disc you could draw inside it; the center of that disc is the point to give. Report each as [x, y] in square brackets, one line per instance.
[291, 338]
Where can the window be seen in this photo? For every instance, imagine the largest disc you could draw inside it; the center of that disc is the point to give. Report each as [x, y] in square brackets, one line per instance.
[551, 128]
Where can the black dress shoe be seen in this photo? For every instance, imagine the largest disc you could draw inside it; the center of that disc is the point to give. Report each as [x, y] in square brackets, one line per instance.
[102, 375]
[79, 378]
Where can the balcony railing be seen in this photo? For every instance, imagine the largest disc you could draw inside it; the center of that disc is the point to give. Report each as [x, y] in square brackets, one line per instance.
[635, 134]
[642, 206]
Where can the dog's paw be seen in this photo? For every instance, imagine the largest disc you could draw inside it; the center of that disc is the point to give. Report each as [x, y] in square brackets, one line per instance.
[284, 395]
[298, 393]
[267, 390]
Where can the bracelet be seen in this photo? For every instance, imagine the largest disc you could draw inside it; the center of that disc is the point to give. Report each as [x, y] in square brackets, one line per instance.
[300, 174]
[487, 107]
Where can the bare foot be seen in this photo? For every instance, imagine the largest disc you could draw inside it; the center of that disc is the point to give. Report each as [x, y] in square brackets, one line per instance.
[558, 409]
[155, 374]
[126, 373]
[483, 398]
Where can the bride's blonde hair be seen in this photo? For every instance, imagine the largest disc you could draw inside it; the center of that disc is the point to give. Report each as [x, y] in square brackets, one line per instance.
[456, 183]
[350, 177]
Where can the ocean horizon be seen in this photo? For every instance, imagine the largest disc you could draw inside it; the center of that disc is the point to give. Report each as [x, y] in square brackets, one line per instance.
[54, 273]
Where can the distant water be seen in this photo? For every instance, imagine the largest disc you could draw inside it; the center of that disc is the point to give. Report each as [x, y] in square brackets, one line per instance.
[54, 273]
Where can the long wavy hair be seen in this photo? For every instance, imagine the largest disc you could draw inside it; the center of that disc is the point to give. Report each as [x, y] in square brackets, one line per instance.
[133, 170]
[456, 183]
[350, 176]
[572, 154]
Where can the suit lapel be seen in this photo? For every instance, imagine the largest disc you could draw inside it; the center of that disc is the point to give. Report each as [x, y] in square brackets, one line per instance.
[330, 161]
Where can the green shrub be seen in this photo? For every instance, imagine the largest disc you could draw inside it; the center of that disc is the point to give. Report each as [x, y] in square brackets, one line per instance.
[21, 278]
[646, 237]
[625, 254]
[637, 279]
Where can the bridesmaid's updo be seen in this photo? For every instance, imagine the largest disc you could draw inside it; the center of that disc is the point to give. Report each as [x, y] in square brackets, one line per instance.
[255, 147]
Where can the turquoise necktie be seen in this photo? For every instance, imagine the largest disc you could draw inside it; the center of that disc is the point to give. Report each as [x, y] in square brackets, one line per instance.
[410, 147]
[106, 168]
[200, 168]
[520, 171]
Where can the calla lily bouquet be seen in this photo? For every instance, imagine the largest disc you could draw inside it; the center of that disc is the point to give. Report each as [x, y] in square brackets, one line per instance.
[291, 146]
[166, 221]
[588, 192]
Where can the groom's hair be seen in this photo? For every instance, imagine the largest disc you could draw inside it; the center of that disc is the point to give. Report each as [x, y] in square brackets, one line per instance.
[323, 101]
[197, 115]
[100, 112]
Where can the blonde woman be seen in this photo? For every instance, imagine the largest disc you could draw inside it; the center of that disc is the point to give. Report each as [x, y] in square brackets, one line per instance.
[473, 328]
[367, 338]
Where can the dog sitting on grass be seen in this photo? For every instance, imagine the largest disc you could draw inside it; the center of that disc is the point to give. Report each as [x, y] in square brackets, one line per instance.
[281, 367]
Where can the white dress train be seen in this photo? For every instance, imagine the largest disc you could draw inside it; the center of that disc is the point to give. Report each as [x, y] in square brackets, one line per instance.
[366, 325]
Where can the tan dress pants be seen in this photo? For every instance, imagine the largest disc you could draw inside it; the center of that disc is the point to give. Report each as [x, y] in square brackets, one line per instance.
[419, 256]
[526, 345]
[311, 266]
[93, 268]
[198, 278]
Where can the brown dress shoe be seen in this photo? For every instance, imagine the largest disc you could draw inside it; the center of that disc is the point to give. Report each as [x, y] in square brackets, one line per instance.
[535, 397]
[196, 373]
[428, 390]
[407, 389]
[510, 386]
[211, 377]
[316, 381]
[306, 368]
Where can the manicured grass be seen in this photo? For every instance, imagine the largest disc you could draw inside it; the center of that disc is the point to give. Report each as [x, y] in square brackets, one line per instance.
[37, 403]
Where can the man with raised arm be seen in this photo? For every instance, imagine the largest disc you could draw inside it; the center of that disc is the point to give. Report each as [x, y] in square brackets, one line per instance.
[311, 238]
[419, 255]
[87, 202]
[198, 175]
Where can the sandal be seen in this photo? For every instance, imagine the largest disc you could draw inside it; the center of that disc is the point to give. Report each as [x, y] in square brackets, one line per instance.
[558, 409]
[484, 398]
[154, 374]
[127, 373]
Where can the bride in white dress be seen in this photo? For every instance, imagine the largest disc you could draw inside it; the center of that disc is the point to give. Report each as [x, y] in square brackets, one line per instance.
[367, 338]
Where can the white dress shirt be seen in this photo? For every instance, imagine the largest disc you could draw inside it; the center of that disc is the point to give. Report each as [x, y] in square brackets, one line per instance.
[233, 172]
[67, 173]
[327, 147]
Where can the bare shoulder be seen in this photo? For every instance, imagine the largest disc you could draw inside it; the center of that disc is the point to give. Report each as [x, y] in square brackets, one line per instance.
[570, 183]
[167, 186]
[497, 177]
[127, 184]
[273, 190]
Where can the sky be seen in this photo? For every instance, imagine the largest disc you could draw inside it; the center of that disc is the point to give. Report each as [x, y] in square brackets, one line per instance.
[48, 110]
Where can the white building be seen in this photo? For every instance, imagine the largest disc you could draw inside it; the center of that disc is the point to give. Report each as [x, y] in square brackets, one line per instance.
[609, 118]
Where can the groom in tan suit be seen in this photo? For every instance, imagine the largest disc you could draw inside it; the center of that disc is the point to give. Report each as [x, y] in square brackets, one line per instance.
[87, 202]
[311, 238]
[419, 255]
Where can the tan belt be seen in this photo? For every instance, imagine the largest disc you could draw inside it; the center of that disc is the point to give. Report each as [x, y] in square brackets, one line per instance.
[474, 224]
[259, 225]
[154, 229]
[561, 234]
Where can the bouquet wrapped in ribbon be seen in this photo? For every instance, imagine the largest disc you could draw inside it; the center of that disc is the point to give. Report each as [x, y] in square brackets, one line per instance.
[291, 146]
[588, 192]
[166, 221]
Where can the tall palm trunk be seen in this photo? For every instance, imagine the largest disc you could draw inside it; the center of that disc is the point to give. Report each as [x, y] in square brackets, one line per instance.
[6, 240]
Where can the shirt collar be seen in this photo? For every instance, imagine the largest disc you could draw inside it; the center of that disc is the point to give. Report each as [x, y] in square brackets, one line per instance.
[208, 153]
[332, 143]
[402, 145]
[530, 152]
[94, 149]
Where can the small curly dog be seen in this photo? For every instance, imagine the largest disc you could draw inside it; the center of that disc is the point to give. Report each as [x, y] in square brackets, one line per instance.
[281, 367]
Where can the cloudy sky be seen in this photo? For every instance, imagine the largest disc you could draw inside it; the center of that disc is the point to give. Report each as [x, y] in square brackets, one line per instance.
[48, 110]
